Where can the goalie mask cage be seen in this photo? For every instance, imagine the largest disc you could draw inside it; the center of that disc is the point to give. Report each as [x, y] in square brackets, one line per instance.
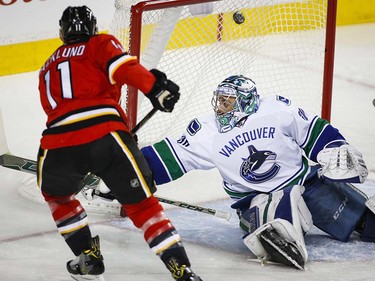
[286, 47]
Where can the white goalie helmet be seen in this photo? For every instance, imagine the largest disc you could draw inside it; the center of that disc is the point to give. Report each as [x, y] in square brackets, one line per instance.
[234, 99]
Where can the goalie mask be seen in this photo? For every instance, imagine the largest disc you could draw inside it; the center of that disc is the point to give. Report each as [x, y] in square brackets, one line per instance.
[234, 99]
[76, 24]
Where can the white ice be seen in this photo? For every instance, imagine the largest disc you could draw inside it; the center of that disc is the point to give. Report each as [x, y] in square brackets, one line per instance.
[31, 248]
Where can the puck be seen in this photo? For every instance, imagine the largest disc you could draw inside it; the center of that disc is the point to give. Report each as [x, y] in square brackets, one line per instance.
[238, 17]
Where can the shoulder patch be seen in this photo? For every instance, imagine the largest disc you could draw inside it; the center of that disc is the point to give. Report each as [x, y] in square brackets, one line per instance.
[284, 100]
[193, 127]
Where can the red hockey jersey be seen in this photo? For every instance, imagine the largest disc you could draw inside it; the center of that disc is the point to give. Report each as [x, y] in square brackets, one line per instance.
[80, 88]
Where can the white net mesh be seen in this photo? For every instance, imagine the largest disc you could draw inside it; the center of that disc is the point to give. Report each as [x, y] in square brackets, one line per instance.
[280, 45]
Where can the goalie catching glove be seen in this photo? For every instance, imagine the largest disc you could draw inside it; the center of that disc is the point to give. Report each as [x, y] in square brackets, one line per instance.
[165, 93]
[342, 162]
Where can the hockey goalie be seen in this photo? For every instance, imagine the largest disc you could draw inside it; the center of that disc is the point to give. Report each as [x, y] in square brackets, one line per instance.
[262, 148]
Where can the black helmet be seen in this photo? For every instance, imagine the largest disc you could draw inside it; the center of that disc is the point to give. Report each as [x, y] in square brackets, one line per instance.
[77, 23]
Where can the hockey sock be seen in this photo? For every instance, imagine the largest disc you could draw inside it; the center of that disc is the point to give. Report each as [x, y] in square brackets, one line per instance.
[159, 233]
[149, 216]
[71, 221]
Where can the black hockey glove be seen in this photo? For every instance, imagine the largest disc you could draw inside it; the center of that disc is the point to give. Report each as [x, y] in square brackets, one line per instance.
[165, 93]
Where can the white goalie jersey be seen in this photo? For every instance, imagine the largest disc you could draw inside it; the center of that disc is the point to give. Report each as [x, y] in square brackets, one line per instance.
[267, 153]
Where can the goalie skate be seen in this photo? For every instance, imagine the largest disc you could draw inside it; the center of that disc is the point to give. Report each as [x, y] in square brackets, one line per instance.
[281, 250]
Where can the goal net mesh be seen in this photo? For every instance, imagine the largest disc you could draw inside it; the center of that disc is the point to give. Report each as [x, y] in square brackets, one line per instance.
[279, 44]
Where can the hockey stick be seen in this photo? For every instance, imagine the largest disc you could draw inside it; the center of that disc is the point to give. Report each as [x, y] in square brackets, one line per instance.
[143, 121]
[208, 211]
[91, 181]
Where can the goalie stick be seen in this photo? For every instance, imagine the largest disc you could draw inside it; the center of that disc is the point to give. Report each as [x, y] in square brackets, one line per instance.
[90, 178]
[91, 181]
[209, 211]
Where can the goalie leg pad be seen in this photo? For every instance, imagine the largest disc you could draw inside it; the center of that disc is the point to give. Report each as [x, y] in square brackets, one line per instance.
[286, 204]
[368, 232]
[281, 250]
[252, 241]
[278, 241]
[370, 203]
[283, 211]
[336, 207]
[293, 208]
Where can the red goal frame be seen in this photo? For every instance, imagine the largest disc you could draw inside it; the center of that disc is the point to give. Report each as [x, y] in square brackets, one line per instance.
[135, 42]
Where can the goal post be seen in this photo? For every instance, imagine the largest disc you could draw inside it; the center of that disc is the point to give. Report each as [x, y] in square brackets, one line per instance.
[329, 59]
[285, 46]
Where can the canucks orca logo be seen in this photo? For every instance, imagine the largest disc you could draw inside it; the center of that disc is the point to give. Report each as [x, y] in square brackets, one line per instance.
[254, 162]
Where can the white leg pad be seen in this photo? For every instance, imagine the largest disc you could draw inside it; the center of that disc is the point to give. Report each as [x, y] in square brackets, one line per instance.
[269, 215]
[254, 245]
[285, 229]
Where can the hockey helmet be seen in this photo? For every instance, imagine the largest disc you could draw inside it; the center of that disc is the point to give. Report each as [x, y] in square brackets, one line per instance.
[234, 99]
[77, 23]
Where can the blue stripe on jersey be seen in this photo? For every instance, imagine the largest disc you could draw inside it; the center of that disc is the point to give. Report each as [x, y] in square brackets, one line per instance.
[319, 134]
[157, 167]
[176, 156]
[309, 132]
[328, 134]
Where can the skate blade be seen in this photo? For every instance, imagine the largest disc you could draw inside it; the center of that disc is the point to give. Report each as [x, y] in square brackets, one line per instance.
[88, 277]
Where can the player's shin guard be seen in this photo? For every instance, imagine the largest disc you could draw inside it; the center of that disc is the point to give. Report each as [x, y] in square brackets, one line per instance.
[162, 237]
[71, 221]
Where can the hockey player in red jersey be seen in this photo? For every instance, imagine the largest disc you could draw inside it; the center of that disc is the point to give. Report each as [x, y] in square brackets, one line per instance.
[87, 132]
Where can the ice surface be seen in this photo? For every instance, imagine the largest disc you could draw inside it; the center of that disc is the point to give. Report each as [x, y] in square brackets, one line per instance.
[32, 249]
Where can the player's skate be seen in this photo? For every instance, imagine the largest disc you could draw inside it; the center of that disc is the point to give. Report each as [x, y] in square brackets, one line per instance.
[89, 264]
[181, 272]
[280, 250]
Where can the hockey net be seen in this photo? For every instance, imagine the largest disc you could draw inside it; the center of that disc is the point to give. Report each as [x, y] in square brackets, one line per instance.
[286, 47]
